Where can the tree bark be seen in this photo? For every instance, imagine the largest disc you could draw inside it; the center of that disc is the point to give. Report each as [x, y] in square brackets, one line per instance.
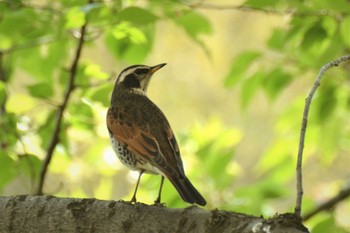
[52, 214]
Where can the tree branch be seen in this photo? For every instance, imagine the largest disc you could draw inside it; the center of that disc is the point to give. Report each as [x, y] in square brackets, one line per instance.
[308, 100]
[51, 214]
[61, 109]
[208, 6]
[342, 195]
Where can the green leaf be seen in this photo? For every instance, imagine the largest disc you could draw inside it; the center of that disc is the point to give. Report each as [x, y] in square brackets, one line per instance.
[75, 18]
[275, 81]
[102, 94]
[94, 70]
[41, 90]
[326, 101]
[327, 225]
[336, 5]
[315, 35]
[239, 66]
[137, 16]
[32, 59]
[8, 132]
[250, 86]
[278, 39]
[81, 116]
[2, 93]
[130, 43]
[345, 30]
[29, 165]
[194, 24]
[5, 42]
[20, 20]
[126, 30]
[56, 57]
[137, 53]
[6, 168]
[81, 79]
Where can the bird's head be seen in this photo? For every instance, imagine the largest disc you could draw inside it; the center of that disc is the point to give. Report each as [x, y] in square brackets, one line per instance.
[137, 77]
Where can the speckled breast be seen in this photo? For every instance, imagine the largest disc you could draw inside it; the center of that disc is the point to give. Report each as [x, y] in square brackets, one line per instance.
[124, 155]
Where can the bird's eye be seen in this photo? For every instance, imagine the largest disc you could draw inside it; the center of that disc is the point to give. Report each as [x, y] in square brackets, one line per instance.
[141, 71]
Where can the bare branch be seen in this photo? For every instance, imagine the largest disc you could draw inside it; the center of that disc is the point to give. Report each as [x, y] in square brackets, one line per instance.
[52, 214]
[61, 109]
[308, 100]
[342, 195]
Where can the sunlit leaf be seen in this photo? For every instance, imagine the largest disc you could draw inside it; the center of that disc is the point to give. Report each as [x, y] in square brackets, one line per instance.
[137, 53]
[102, 94]
[275, 81]
[345, 30]
[337, 5]
[8, 132]
[277, 39]
[75, 18]
[315, 34]
[20, 20]
[5, 42]
[137, 15]
[239, 67]
[7, 169]
[250, 86]
[130, 43]
[94, 70]
[195, 24]
[81, 116]
[126, 30]
[41, 90]
[27, 103]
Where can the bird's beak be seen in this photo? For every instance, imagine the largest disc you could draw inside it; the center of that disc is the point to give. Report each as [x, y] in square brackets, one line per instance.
[156, 67]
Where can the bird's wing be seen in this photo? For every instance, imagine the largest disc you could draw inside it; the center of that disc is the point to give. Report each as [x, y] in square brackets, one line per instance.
[132, 128]
[126, 128]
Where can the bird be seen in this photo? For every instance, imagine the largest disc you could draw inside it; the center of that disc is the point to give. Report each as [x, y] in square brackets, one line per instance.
[141, 135]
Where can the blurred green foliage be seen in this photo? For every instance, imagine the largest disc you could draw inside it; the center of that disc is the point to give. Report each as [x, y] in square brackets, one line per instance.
[39, 40]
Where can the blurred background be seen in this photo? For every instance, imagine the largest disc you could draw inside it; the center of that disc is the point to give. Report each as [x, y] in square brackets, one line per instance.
[234, 88]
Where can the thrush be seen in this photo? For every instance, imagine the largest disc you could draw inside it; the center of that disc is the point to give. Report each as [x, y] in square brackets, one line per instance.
[141, 135]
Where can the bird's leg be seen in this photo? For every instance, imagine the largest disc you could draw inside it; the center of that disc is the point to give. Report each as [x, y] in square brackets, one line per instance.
[133, 199]
[157, 201]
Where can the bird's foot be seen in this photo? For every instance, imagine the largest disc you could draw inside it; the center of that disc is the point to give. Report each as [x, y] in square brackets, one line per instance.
[158, 203]
[132, 201]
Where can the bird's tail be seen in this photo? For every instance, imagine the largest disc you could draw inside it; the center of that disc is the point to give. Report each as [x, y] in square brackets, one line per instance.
[187, 191]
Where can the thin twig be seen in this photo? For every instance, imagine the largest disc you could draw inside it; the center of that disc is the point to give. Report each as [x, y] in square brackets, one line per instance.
[342, 195]
[317, 83]
[3, 79]
[294, 12]
[61, 109]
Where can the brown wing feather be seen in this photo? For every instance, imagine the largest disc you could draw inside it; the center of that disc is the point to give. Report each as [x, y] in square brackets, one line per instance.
[124, 129]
